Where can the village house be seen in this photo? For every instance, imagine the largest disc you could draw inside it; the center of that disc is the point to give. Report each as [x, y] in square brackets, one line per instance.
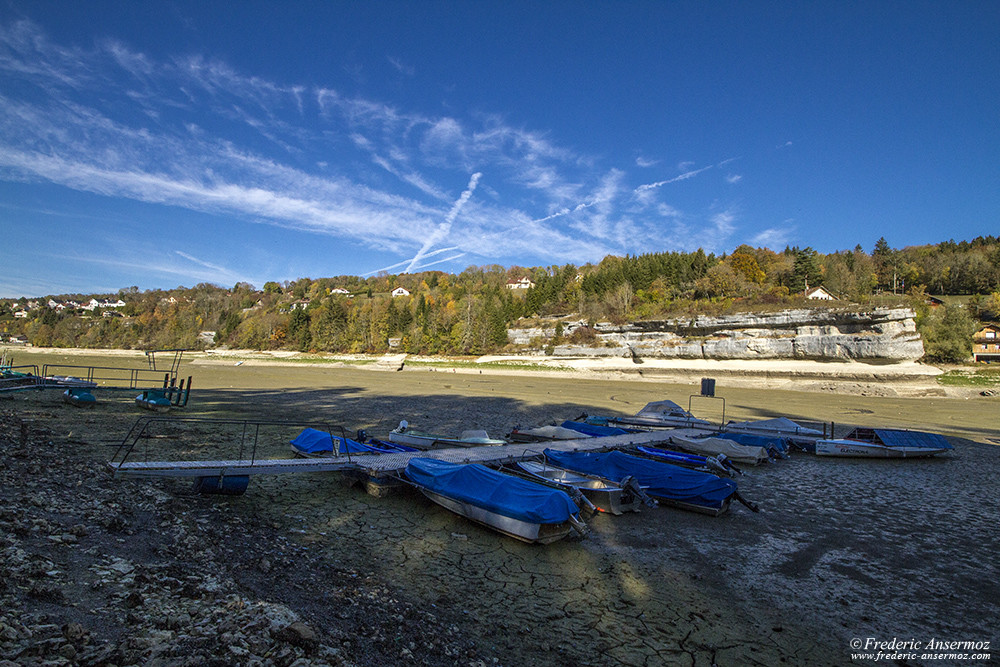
[521, 283]
[820, 293]
[401, 291]
[986, 344]
[339, 290]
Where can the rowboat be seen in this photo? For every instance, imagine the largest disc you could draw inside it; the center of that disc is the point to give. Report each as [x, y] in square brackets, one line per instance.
[604, 494]
[884, 444]
[680, 487]
[404, 435]
[510, 505]
[712, 446]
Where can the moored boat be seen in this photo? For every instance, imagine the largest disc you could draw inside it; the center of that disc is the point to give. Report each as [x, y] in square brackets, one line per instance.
[544, 433]
[884, 444]
[312, 443]
[606, 495]
[782, 427]
[660, 414]
[404, 435]
[510, 505]
[712, 446]
[717, 465]
[680, 487]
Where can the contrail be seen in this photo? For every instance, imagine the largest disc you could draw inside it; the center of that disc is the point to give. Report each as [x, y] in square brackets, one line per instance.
[445, 226]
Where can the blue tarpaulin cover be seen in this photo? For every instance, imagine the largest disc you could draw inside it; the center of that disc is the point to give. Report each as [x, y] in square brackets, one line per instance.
[768, 442]
[895, 438]
[481, 486]
[311, 441]
[662, 479]
[593, 429]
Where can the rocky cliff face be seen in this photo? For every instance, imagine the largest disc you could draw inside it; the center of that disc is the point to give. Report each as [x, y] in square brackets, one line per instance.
[885, 334]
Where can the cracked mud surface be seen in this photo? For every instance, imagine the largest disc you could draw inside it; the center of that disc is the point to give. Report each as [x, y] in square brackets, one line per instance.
[841, 548]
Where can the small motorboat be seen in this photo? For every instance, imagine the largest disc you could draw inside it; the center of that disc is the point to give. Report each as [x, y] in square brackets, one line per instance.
[717, 465]
[604, 494]
[884, 443]
[713, 446]
[510, 505]
[802, 437]
[680, 487]
[404, 435]
[544, 434]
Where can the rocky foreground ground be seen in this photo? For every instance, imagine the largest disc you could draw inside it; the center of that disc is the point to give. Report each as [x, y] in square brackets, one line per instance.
[102, 572]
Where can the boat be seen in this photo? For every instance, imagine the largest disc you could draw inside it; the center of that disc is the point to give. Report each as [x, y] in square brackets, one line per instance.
[680, 487]
[592, 430]
[605, 495]
[884, 443]
[153, 399]
[712, 446]
[80, 397]
[510, 505]
[717, 465]
[776, 445]
[802, 437]
[312, 443]
[404, 435]
[658, 414]
[543, 434]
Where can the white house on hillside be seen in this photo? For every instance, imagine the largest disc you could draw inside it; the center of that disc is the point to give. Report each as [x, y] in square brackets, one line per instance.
[400, 291]
[820, 293]
[522, 283]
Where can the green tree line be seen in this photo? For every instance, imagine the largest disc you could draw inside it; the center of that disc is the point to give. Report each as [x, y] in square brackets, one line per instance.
[470, 312]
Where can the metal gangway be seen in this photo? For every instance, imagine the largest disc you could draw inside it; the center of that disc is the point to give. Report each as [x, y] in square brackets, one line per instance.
[132, 458]
[122, 377]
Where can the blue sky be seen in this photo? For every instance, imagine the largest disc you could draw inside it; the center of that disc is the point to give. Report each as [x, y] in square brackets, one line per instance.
[160, 144]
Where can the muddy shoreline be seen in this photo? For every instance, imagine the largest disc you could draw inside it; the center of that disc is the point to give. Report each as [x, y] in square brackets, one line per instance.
[842, 549]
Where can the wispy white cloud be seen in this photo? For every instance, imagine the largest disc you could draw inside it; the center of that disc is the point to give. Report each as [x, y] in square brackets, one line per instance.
[775, 237]
[195, 133]
[734, 178]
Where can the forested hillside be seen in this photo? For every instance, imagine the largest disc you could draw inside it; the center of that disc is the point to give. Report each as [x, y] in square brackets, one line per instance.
[469, 313]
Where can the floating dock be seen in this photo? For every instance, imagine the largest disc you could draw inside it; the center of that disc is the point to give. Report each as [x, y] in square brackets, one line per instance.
[378, 465]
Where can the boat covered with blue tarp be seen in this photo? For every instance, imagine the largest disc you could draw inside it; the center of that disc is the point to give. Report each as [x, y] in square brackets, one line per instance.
[512, 505]
[775, 445]
[593, 430]
[313, 442]
[683, 487]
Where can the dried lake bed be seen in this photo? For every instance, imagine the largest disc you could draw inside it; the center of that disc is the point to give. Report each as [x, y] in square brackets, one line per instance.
[842, 549]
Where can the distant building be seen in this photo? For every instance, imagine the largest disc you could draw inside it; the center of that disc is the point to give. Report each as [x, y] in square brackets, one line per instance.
[986, 344]
[401, 291]
[339, 290]
[521, 283]
[820, 293]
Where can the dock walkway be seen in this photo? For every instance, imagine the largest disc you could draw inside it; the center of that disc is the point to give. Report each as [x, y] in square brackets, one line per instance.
[378, 465]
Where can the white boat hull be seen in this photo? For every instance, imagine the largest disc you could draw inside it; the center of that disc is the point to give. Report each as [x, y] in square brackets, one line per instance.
[873, 450]
[542, 533]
